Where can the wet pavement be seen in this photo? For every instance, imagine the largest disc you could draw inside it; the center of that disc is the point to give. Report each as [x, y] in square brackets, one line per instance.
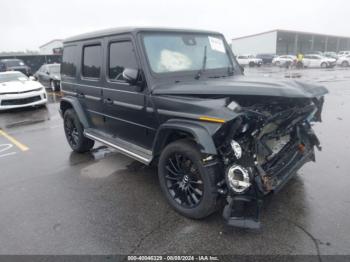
[53, 201]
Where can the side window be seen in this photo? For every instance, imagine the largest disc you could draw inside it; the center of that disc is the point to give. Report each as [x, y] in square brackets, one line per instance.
[121, 56]
[69, 66]
[92, 60]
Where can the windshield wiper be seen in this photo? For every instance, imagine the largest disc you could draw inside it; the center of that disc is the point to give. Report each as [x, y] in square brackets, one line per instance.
[204, 63]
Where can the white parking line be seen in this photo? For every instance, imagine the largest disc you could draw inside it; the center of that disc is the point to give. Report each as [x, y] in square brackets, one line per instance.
[6, 147]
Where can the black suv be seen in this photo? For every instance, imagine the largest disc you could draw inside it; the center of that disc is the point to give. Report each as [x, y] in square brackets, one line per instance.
[178, 99]
[14, 64]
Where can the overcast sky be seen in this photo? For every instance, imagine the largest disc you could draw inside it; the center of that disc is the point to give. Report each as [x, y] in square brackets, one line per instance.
[27, 24]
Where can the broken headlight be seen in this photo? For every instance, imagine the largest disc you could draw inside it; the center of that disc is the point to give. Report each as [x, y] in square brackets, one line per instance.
[237, 179]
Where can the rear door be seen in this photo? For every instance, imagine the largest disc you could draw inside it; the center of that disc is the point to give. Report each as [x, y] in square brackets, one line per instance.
[124, 103]
[89, 88]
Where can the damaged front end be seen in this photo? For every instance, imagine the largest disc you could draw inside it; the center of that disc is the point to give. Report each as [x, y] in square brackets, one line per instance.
[262, 149]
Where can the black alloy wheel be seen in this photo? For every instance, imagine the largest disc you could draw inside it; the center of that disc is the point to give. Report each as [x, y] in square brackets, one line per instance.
[71, 131]
[74, 132]
[188, 185]
[183, 180]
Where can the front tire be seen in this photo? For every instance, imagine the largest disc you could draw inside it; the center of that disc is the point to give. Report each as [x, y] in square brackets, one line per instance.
[324, 65]
[189, 186]
[75, 133]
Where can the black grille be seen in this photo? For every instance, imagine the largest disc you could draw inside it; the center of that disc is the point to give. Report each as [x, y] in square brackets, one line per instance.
[22, 101]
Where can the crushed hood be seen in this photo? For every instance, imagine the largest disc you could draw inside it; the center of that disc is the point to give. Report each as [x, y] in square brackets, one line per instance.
[241, 85]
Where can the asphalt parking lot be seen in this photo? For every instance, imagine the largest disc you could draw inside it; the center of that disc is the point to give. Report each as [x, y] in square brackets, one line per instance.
[54, 201]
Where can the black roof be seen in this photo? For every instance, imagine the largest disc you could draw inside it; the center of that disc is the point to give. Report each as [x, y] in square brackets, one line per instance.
[121, 30]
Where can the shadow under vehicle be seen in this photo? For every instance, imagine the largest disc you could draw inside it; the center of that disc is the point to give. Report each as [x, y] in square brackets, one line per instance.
[178, 99]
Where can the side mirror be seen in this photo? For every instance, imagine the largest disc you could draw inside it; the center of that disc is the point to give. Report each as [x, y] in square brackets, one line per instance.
[47, 72]
[32, 78]
[131, 75]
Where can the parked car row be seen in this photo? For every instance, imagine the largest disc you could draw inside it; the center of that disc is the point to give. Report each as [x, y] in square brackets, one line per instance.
[48, 74]
[314, 59]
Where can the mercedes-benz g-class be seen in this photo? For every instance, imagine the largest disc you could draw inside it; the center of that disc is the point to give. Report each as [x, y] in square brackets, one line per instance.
[178, 99]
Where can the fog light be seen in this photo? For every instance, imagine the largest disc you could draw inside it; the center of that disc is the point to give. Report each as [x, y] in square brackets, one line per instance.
[236, 149]
[237, 178]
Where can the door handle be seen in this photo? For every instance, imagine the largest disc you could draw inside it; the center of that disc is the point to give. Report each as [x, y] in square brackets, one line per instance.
[80, 95]
[108, 101]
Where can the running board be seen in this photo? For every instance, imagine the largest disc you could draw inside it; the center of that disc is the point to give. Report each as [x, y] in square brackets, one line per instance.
[139, 156]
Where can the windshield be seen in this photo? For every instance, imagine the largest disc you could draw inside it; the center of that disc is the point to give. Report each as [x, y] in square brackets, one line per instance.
[175, 52]
[55, 69]
[14, 63]
[16, 76]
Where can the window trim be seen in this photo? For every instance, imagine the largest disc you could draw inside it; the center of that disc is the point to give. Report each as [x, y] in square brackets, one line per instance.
[113, 41]
[82, 77]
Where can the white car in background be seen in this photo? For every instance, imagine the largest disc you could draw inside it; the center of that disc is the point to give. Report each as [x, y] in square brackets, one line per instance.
[249, 60]
[342, 53]
[344, 61]
[17, 90]
[318, 61]
[283, 59]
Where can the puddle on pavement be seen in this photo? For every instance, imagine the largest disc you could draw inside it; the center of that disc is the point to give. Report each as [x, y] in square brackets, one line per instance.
[102, 162]
[106, 166]
[24, 116]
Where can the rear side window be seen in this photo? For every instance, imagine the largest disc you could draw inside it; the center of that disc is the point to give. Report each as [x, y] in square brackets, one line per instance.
[121, 56]
[92, 61]
[69, 65]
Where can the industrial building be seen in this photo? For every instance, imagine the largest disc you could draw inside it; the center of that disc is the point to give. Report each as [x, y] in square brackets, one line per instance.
[54, 47]
[288, 42]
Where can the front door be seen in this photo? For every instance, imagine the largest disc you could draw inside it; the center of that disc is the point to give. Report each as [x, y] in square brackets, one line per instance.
[125, 104]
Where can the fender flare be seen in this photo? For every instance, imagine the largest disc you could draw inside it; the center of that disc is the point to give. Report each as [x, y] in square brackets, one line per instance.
[74, 103]
[202, 133]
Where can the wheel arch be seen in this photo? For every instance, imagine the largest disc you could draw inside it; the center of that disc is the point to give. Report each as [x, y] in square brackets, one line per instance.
[71, 102]
[176, 129]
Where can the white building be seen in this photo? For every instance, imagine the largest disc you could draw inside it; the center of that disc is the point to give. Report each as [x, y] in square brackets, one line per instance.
[288, 42]
[53, 47]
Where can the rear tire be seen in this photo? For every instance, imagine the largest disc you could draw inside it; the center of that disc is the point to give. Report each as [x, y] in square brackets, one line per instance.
[189, 186]
[251, 64]
[75, 133]
[345, 64]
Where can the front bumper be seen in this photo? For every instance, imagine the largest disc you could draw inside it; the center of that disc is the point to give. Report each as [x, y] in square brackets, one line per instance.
[266, 180]
[12, 101]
